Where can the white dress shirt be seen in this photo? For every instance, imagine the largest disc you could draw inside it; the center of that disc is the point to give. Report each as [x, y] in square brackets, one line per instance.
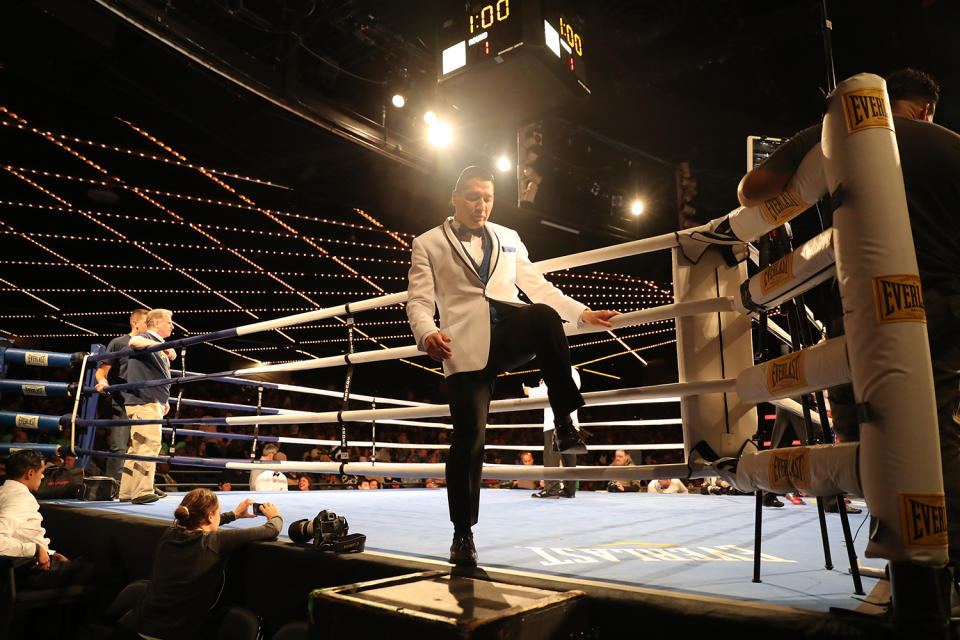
[473, 244]
[270, 481]
[21, 526]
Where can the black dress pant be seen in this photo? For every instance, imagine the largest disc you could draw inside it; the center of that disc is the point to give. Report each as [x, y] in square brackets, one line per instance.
[522, 333]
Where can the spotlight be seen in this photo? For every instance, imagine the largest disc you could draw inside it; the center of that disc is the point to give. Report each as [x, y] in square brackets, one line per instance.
[398, 100]
[503, 163]
[636, 208]
[429, 117]
[440, 134]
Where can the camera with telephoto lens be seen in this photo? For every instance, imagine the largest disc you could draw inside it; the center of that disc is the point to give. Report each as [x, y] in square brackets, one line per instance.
[323, 529]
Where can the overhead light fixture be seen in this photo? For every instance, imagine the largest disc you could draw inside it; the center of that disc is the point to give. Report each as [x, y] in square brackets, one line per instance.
[439, 134]
[636, 207]
[398, 100]
[429, 117]
[503, 164]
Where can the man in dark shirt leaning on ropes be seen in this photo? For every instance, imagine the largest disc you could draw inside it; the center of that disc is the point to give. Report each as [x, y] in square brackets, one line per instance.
[930, 161]
[115, 372]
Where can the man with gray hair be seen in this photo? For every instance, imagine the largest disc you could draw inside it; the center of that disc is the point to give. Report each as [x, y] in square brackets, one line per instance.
[269, 451]
[146, 403]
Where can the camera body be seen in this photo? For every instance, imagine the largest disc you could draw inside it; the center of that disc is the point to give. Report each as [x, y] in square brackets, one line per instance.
[327, 526]
[326, 530]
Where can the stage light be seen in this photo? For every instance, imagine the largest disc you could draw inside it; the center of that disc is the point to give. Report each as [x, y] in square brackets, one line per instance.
[429, 117]
[636, 208]
[503, 164]
[398, 100]
[440, 134]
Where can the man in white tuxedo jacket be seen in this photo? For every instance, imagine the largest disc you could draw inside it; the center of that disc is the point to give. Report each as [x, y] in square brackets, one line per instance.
[471, 270]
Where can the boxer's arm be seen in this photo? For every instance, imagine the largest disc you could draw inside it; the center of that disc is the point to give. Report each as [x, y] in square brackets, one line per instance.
[770, 178]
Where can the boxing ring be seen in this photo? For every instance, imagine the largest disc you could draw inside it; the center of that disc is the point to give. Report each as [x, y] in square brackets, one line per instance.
[895, 466]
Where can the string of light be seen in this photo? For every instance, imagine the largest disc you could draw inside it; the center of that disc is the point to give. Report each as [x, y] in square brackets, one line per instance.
[195, 225]
[181, 291]
[212, 201]
[148, 156]
[89, 162]
[179, 311]
[380, 225]
[269, 215]
[143, 267]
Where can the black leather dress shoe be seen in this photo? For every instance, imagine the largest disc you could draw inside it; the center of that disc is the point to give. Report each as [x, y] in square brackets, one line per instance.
[462, 551]
[771, 500]
[543, 493]
[566, 438]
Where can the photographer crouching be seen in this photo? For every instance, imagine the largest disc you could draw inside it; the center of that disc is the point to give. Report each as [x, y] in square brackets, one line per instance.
[188, 569]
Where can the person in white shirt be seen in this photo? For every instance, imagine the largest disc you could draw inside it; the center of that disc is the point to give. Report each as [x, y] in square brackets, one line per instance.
[22, 536]
[552, 458]
[269, 450]
[667, 485]
[271, 480]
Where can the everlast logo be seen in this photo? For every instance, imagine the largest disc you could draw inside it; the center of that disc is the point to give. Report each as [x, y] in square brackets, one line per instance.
[783, 207]
[785, 373]
[789, 470]
[777, 273]
[26, 421]
[866, 109]
[924, 518]
[899, 298]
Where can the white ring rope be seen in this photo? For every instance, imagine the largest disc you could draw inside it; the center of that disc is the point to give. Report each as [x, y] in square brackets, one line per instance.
[440, 447]
[312, 390]
[490, 471]
[658, 392]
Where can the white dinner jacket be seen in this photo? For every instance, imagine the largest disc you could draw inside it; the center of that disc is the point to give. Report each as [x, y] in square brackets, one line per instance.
[442, 276]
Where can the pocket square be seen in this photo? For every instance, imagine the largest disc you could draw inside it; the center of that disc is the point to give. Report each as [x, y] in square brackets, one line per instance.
[509, 249]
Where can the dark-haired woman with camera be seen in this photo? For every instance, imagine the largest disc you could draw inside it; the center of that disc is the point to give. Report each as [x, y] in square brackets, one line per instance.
[188, 569]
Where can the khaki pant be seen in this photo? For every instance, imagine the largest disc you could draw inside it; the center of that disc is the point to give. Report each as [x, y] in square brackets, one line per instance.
[137, 478]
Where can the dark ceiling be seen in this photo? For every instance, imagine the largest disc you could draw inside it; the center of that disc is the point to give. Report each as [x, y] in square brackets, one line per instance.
[245, 208]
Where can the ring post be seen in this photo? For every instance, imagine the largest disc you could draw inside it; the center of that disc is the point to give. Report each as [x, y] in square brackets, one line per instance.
[887, 345]
[712, 346]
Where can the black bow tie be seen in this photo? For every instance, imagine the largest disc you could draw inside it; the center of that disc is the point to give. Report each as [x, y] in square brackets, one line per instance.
[466, 232]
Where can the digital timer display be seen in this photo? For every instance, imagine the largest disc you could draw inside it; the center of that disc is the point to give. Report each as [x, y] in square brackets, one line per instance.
[482, 17]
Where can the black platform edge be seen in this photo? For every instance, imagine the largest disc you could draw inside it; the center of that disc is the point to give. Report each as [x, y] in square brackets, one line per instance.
[274, 579]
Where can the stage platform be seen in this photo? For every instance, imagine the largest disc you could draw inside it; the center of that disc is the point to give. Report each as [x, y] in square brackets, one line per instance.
[671, 561]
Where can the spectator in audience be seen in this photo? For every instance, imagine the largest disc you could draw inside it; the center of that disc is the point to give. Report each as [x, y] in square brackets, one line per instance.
[188, 567]
[667, 485]
[622, 459]
[526, 458]
[224, 484]
[162, 476]
[271, 480]
[303, 482]
[374, 484]
[22, 537]
[269, 450]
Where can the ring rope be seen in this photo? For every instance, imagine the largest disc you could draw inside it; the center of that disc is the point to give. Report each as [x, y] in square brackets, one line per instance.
[662, 391]
[695, 469]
